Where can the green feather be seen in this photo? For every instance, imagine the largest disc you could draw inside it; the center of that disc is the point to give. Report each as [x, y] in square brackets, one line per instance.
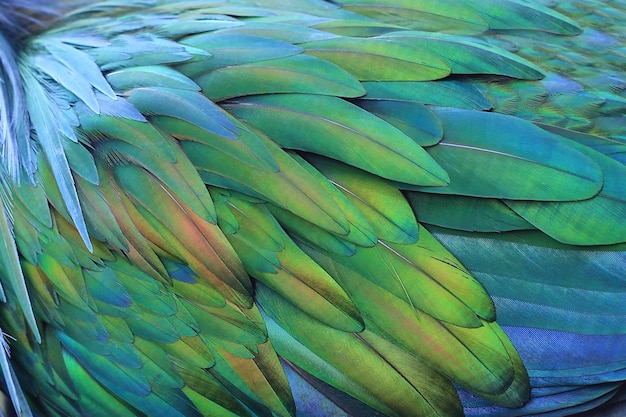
[383, 206]
[180, 175]
[287, 270]
[332, 127]
[67, 282]
[481, 164]
[467, 57]
[96, 398]
[412, 118]
[290, 187]
[98, 216]
[259, 381]
[248, 148]
[355, 28]
[309, 232]
[335, 357]
[9, 260]
[441, 93]
[233, 49]
[184, 105]
[516, 14]
[596, 221]
[466, 213]
[150, 76]
[429, 15]
[139, 134]
[293, 74]
[379, 59]
[408, 273]
[273, 28]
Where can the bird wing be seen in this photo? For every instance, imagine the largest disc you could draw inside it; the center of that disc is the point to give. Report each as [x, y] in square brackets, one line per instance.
[224, 189]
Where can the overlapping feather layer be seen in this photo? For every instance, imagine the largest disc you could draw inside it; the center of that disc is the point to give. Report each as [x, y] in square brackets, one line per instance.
[225, 189]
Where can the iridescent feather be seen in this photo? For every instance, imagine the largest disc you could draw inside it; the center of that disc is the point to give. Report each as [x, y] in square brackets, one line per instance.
[239, 208]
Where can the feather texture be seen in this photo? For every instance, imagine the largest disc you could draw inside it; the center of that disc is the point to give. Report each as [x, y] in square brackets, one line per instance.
[400, 207]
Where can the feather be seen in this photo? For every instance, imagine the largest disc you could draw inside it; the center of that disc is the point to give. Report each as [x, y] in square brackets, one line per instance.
[558, 174]
[44, 116]
[347, 124]
[427, 15]
[293, 74]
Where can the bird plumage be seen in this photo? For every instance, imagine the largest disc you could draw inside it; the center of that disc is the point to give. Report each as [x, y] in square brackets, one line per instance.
[207, 206]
